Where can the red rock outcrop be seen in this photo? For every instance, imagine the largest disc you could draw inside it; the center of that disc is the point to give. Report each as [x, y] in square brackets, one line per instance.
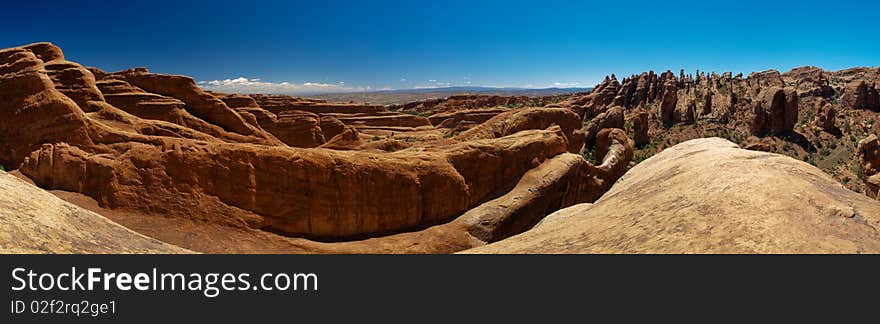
[331, 126]
[263, 187]
[603, 95]
[810, 81]
[199, 103]
[561, 181]
[612, 118]
[236, 101]
[861, 95]
[296, 128]
[74, 81]
[381, 119]
[348, 139]
[667, 104]
[766, 79]
[775, 110]
[155, 144]
[710, 203]
[34, 111]
[689, 115]
[472, 102]
[135, 101]
[640, 128]
[514, 121]
[471, 116]
[825, 118]
[280, 103]
[869, 160]
[614, 150]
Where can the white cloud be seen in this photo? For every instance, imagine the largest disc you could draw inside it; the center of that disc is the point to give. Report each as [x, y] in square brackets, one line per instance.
[433, 84]
[565, 85]
[403, 80]
[245, 85]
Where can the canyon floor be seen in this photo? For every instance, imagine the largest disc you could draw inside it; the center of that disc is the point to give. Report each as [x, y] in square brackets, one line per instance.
[138, 162]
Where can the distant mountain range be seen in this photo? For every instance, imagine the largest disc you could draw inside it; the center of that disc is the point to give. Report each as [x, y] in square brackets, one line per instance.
[386, 97]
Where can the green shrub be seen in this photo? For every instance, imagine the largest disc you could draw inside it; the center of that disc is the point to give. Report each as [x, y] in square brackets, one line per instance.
[2, 168]
[416, 113]
[808, 115]
[857, 169]
[589, 156]
[809, 159]
[641, 155]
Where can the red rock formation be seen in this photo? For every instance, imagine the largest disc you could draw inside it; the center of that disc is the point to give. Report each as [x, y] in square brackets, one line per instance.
[606, 92]
[74, 81]
[331, 126]
[860, 95]
[614, 150]
[135, 101]
[472, 116]
[280, 103]
[199, 103]
[707, 103]
[709, 196]
[381, 119]
[34, 111]
[869, 160]
[612, 118]
[690, 112]
[640, 128]
[294, 128]
[667, 104]
[348, 139]
[790, 117]
[810, 81]
[766, 79]
[236, 101]
[297, 128]
[825, 118]
[775, 110]
[290, 191]
[472, 102]
[158, 145]
[514, 121]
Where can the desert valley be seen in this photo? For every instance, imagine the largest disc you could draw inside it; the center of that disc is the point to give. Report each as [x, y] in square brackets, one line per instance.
[659, 162]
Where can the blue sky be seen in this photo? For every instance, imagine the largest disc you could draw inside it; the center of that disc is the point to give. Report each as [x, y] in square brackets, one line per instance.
[358, 45]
